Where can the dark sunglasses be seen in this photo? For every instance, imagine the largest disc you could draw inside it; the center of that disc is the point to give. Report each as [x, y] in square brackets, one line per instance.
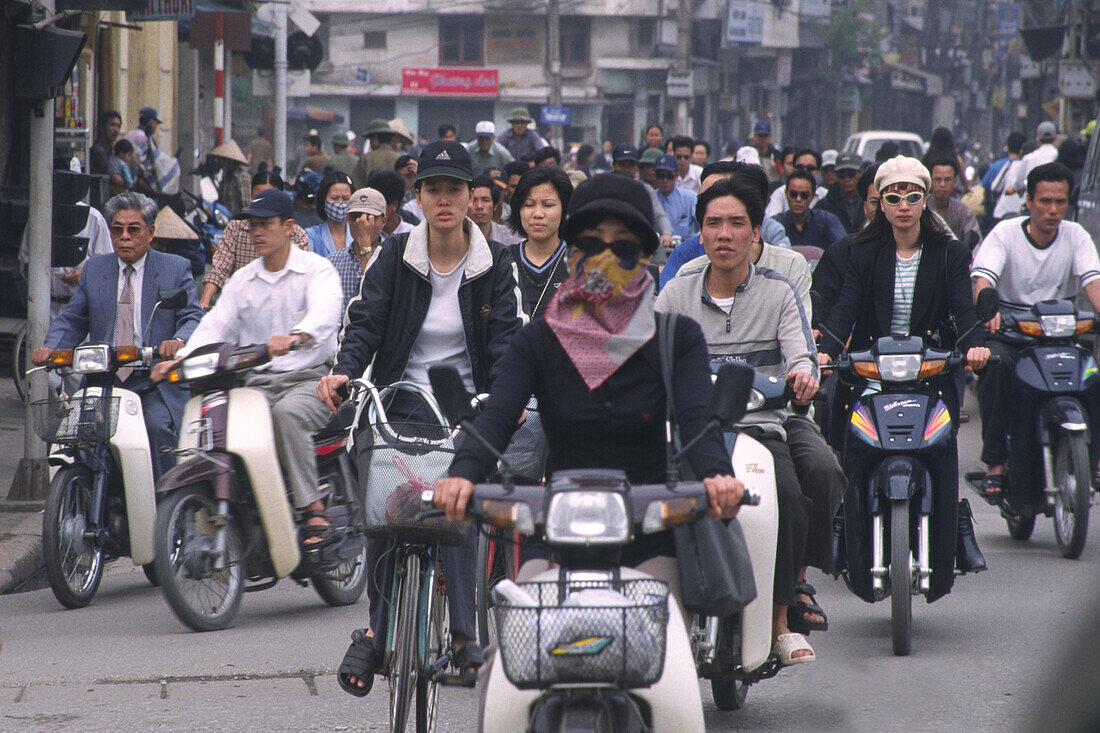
[894, 199]
[624, 249]
[665, 176]
[133, 230]
[804, 167]
[800, 195]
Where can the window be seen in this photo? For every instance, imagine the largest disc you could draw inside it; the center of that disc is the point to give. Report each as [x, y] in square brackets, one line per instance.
[461, 41]
[574, 40]
[374, 40]
[646, 34]
[514, 39]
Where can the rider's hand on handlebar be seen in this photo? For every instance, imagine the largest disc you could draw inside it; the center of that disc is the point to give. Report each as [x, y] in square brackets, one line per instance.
[41, 356]
[326, 389]
[824, 360]
[451, 495]
[977, 356]
[994, 325]
[280, 345]
[803, 385]
[168, 349]
[160, 371]
[723, 495]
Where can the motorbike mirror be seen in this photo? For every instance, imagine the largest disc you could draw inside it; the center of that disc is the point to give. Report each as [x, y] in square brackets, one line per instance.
[732, 390]
[988, 301]
[451, 393]
[172, 298]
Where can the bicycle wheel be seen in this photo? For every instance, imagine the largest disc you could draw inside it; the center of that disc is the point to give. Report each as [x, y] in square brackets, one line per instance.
[1074, 483]
[901, 578]
[403, 659]
[427, 685]
[19, 361]
[495, 560]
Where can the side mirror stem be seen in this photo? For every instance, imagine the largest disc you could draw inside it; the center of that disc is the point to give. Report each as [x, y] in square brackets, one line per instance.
[507, 474]
[149, 323]
[710, 427]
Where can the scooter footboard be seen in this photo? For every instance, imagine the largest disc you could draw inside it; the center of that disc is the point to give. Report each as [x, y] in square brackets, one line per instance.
[752, 463]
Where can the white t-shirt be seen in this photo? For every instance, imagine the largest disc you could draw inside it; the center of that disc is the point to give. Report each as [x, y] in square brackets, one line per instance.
[691, 181]
[1025, 273]
[442, 337]
[1045, 153]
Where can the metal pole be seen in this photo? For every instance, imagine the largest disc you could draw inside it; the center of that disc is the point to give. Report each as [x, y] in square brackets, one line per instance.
[280, 85]
[32, 477]
[683, 63]
[553, 49]
[219, 77]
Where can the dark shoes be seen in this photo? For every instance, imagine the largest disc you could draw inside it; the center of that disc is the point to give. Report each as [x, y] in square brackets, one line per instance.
[362, 660]
[968, 557]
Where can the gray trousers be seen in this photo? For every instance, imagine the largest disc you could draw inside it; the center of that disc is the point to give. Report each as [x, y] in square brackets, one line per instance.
[296, 413]
[822, 481]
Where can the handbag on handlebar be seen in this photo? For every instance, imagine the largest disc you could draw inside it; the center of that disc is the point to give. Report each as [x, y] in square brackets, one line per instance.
[716, 575]
[406, 457]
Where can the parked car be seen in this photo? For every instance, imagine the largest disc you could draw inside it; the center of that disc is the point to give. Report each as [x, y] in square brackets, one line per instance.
[866, 144]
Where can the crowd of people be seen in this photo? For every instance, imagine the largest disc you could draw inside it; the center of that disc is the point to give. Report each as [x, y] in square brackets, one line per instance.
[538, 274]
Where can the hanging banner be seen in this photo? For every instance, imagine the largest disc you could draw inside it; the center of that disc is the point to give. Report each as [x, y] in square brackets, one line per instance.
[454, 82]
[745, 22]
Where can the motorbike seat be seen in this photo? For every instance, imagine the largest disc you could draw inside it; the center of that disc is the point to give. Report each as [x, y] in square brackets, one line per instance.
[337, 427]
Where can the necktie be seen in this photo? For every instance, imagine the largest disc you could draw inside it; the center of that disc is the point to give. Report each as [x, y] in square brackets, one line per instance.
[124, 323]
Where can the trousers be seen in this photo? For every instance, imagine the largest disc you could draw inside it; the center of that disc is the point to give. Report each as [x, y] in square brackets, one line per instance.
[822, 482]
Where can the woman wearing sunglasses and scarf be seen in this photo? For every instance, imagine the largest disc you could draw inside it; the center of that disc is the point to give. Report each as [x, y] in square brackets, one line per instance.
[908, 276]
[593, 364]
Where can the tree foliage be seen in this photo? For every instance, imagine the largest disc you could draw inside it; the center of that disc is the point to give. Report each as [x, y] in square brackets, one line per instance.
[852, 32]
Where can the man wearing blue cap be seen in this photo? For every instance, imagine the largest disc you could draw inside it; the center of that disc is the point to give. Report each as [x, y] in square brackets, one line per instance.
[144, 145]
[762, 141]
[284, 298]
[678, 203]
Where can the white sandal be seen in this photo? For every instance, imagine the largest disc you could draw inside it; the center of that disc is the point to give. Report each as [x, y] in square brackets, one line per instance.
[786, 645]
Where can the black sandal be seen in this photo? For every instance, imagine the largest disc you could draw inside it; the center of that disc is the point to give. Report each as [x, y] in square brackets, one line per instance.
[468, 659]
[992, 487]
[361, 660]
[310, 531]
[796, 613]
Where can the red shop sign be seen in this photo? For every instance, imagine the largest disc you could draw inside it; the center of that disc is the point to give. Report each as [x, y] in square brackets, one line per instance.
[461, 82]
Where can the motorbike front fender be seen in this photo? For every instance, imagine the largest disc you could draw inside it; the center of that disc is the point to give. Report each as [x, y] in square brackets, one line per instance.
[900, 477]
[1066, 413]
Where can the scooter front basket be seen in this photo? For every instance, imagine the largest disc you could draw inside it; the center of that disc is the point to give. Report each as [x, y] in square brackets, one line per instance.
[578, 632]
[78, 420]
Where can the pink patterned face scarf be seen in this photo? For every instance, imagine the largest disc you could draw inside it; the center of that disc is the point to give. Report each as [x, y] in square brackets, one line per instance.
[603, 312]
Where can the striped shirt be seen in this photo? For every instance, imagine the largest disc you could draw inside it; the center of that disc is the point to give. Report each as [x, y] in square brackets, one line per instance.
[905, 280]
[350, 271]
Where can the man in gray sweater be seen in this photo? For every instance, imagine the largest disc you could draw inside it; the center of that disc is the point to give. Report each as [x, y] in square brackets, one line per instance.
[754, 316]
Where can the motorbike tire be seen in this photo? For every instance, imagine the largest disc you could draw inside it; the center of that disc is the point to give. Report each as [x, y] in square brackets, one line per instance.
[19, 363]
[901, 579]
[348, 590]
[427, 689]
[74, 570]
[1020, 528]
[403, 661]
[183, 538]
[1071, 506]
[729, 694]
[151, 575]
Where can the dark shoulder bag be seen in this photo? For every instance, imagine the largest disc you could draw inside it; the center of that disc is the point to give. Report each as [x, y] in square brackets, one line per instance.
[716, 576]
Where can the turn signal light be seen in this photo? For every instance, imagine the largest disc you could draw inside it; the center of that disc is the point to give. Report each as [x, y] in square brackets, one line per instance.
[932, 367]
[127, 354]
[671, 513]
[508, 515]
[61, 357]
[1031, 328]
[174, 376]
[867, 370]
[1083, 326]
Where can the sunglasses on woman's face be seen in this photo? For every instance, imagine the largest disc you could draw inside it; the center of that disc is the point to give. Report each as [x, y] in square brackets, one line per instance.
[624, 249]
[894, 199]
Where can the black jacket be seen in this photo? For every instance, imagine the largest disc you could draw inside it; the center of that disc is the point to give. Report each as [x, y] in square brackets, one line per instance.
[834, 203]
[538, 288]
[828, 278]
[384, 320]
[943, 303]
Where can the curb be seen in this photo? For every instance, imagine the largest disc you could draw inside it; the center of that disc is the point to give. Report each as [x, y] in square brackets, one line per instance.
[21, 554]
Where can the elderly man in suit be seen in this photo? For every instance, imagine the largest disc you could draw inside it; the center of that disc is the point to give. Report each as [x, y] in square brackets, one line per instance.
[113, 302]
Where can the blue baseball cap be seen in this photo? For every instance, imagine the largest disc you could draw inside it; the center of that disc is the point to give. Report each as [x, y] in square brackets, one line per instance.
[762, 127]
[267, 204]
[665, 163]
[148, 113]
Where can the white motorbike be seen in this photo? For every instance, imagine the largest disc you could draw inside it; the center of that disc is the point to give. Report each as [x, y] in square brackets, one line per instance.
[224, 517]
[591, 645]
[100, 504]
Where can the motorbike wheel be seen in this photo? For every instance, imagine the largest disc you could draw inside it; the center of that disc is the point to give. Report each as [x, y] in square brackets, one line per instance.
[202, 598]
[403, 661]
[901, 579]
[74, 565]
[427, 688]
[1073, 479]
[344, 584]
[494, 562]
[1020, 528]
[151, 574]
[728, 693]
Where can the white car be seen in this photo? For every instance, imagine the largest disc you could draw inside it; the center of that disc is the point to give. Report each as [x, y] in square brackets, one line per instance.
[866, 144]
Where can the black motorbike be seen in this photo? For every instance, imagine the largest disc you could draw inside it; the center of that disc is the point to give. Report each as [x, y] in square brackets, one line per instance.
[895, 440]
[1055, 391]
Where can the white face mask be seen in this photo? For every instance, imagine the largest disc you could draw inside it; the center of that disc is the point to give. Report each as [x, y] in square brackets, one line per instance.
[336, 211]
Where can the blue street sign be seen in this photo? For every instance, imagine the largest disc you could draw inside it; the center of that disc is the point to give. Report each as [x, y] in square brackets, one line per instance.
[549, 115]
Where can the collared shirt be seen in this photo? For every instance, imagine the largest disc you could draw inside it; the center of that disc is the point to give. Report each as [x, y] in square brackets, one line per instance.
[256, 304]
[691, 181]
[1045, 153]
[497, 156]
[136, 279]
[821, 229]
[680, 207]
[521, 145]
[320, 238]
[235, 250]
[350, 270]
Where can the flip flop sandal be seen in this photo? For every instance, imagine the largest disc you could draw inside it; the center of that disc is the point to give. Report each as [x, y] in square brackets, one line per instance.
[993, 487]
[309, 531]
[787, 645]
[796, 612]
[361, 660]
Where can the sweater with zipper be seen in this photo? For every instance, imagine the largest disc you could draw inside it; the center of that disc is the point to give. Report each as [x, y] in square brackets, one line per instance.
[766, 328]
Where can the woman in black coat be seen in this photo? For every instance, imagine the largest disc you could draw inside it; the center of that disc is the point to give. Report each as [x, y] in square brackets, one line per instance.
[907, 276]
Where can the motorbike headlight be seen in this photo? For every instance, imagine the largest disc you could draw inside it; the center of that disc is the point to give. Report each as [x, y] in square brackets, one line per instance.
[587, 518]
[92, 359]
[1059, 326]
[756, 401]
[899, 367]
[195, 367]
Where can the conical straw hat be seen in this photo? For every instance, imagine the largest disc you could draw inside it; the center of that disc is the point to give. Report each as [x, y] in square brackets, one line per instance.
[170, 226]
[230, 150]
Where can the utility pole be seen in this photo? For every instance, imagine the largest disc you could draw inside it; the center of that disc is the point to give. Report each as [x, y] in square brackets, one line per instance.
[553, 51]
[32, 477]
[280, 84]
[683, 64]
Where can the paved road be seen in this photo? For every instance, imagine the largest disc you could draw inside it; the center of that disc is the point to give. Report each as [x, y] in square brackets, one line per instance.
[125, 663]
